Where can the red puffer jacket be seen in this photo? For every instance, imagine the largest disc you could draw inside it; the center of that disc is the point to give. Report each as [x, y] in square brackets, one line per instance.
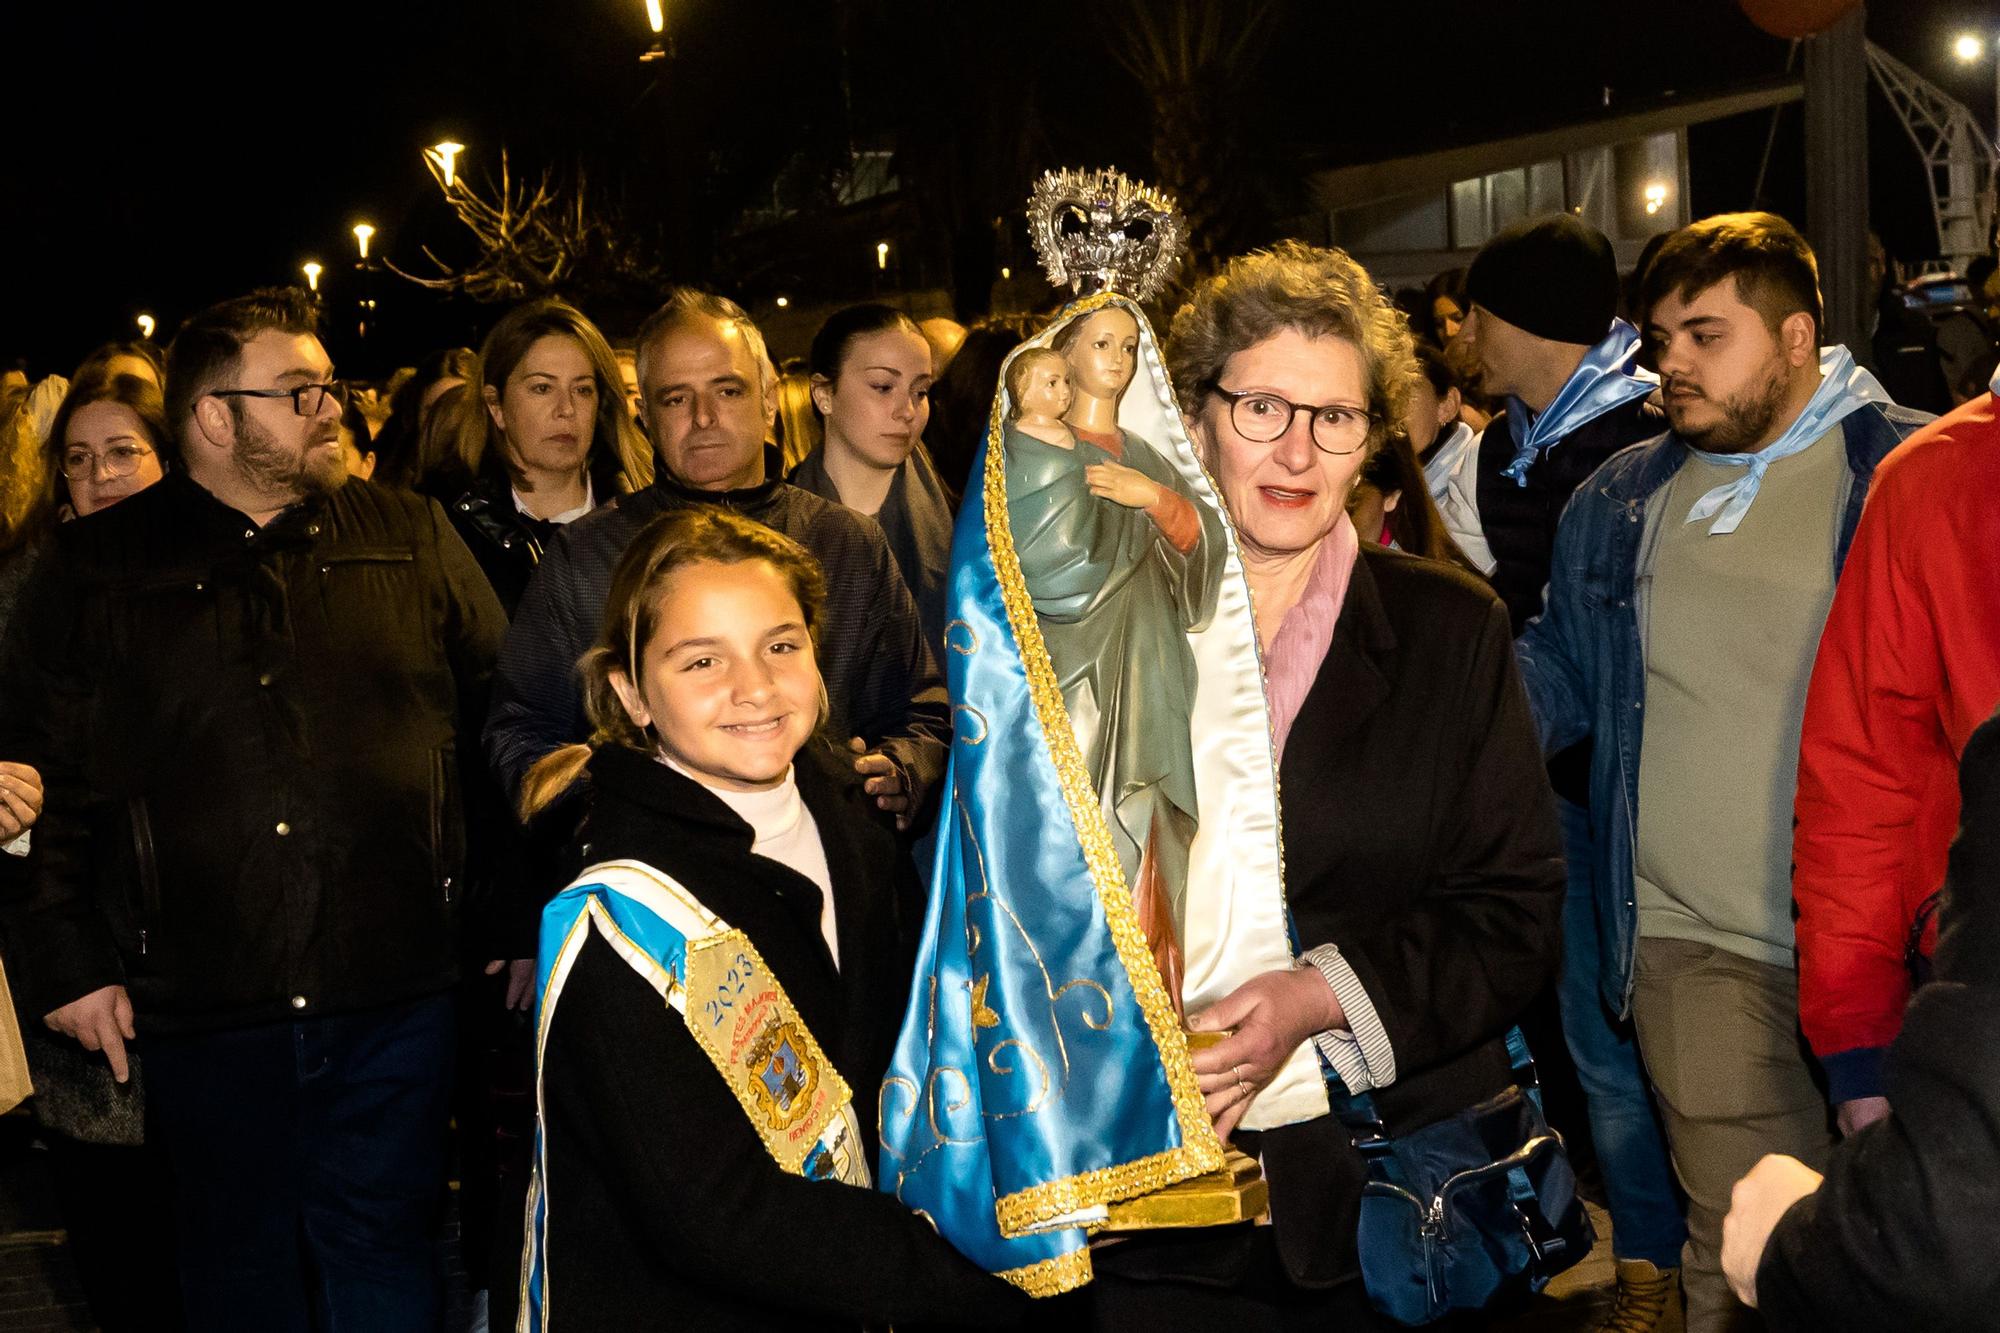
[1909, 664]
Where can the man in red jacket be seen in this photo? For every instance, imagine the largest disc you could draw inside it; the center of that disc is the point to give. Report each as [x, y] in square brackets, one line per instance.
[1908, 665]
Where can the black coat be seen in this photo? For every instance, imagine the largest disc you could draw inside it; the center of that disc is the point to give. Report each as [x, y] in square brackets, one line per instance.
[666, 1211]
[1520, 521]
[507, 543]
[916, 519]
[251, 739]
[1905, 1230]
[1421, 838]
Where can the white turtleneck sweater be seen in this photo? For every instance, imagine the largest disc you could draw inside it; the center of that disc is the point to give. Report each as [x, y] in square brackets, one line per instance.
[786, 833]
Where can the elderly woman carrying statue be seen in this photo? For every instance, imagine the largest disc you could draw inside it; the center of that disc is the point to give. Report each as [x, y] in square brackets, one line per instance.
[1163, 618]
[1423, 868]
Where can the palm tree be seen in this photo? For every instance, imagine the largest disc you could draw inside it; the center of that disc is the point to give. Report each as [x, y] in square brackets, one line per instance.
[1192, 57]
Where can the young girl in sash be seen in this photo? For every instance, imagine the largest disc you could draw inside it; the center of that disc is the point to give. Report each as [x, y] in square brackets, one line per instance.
[719, 993]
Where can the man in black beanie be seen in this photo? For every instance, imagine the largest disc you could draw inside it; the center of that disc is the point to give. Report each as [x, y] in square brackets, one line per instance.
[1543, 333]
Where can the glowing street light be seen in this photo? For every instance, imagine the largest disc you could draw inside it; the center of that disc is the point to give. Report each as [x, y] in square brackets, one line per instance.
[312, 271]
[362, 231]
[1971, 48]
[1005, 273]
[656, 16]
[882, 255]
[1656, 198]
[146, 326]
[784, 301]
[446, 156]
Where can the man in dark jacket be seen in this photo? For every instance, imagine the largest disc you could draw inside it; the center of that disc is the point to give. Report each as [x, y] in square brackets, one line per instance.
[247, 688]
[709, 396]
[1544, 332]
[1900, 1232]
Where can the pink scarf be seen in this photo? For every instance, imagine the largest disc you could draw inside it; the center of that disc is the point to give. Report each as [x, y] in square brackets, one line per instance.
[1306, 632]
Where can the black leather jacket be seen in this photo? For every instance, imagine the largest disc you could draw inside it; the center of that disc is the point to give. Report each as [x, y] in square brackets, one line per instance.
[251, 739]
[507, 543]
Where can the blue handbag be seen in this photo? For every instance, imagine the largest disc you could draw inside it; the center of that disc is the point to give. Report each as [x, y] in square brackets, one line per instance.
[1473, 1210]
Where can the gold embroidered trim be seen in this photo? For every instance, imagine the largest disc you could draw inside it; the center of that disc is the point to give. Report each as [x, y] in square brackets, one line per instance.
[1023, 1212]
[789, 1146]
[1052, 1277]
[1200, 1150]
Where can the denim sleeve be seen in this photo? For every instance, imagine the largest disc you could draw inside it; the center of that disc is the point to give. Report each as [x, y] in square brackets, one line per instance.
[1552, 651]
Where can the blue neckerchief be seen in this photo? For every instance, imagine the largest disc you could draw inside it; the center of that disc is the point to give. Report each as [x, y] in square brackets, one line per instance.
[1844, 387]
[1605, 380]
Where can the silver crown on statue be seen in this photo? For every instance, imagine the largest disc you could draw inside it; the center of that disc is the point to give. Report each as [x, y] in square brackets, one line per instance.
[1103, 231]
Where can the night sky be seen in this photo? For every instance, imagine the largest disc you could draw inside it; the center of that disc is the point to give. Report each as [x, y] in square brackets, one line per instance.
[162, 156]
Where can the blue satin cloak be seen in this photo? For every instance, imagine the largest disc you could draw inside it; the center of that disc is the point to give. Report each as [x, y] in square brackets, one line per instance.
[1041, 1070]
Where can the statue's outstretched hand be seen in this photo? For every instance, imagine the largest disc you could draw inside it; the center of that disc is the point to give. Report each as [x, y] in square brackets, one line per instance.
[1123, 485]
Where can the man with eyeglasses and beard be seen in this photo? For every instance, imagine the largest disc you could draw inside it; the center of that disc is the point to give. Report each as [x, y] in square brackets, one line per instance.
[249, 689]
[1690, 581]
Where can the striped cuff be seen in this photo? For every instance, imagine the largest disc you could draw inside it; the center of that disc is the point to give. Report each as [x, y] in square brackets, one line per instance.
[1360, 1053]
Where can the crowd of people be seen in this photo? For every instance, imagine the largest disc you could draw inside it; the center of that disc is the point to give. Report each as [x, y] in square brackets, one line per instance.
[1623, 644]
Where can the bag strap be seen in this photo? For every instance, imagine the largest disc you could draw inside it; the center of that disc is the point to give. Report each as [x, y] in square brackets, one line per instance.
[1521, 1063]
[1358, 1112]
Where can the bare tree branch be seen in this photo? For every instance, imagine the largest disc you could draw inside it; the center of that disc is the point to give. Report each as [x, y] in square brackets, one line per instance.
[532, 239]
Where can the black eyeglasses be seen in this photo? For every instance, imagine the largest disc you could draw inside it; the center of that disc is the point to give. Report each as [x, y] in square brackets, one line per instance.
[1263, 417]
[307, 399]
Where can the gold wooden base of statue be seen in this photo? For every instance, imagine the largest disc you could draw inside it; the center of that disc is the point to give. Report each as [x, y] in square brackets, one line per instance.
[1236, 1193]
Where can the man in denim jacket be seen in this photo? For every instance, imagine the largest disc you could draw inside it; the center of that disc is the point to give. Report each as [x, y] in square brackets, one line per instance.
[1691, 578]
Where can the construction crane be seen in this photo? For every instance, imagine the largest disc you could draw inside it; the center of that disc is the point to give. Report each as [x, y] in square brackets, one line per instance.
[1960, 159]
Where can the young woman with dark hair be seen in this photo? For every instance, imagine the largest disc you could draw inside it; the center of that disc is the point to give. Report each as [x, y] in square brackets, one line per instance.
[719, 992]
[109, 440]
[1390, 504]
[871, 382]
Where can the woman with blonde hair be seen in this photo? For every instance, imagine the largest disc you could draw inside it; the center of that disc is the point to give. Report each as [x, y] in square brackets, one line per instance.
[546, 438]
[798, 424]
[719, 992]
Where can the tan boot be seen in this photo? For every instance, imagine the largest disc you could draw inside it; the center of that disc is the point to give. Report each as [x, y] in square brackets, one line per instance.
[1649, 1300]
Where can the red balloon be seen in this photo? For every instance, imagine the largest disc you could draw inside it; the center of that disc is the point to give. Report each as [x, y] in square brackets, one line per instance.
[1796, 18]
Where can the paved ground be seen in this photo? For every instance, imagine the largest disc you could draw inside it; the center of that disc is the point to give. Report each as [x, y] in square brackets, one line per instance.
[39, 1291]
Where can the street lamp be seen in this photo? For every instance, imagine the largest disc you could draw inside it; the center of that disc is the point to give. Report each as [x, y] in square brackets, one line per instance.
[1970, 48]
[656, 17]
[146, 326]
[312, 271]
[445, 155]
[882, 255]
[784, 301]
[1656, 198]
[362, 231]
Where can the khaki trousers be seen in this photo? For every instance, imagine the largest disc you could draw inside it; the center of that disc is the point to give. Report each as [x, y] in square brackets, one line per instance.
[1720, 1037]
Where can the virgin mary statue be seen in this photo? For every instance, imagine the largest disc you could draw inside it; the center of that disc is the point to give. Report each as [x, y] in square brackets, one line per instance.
[1108, 846]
